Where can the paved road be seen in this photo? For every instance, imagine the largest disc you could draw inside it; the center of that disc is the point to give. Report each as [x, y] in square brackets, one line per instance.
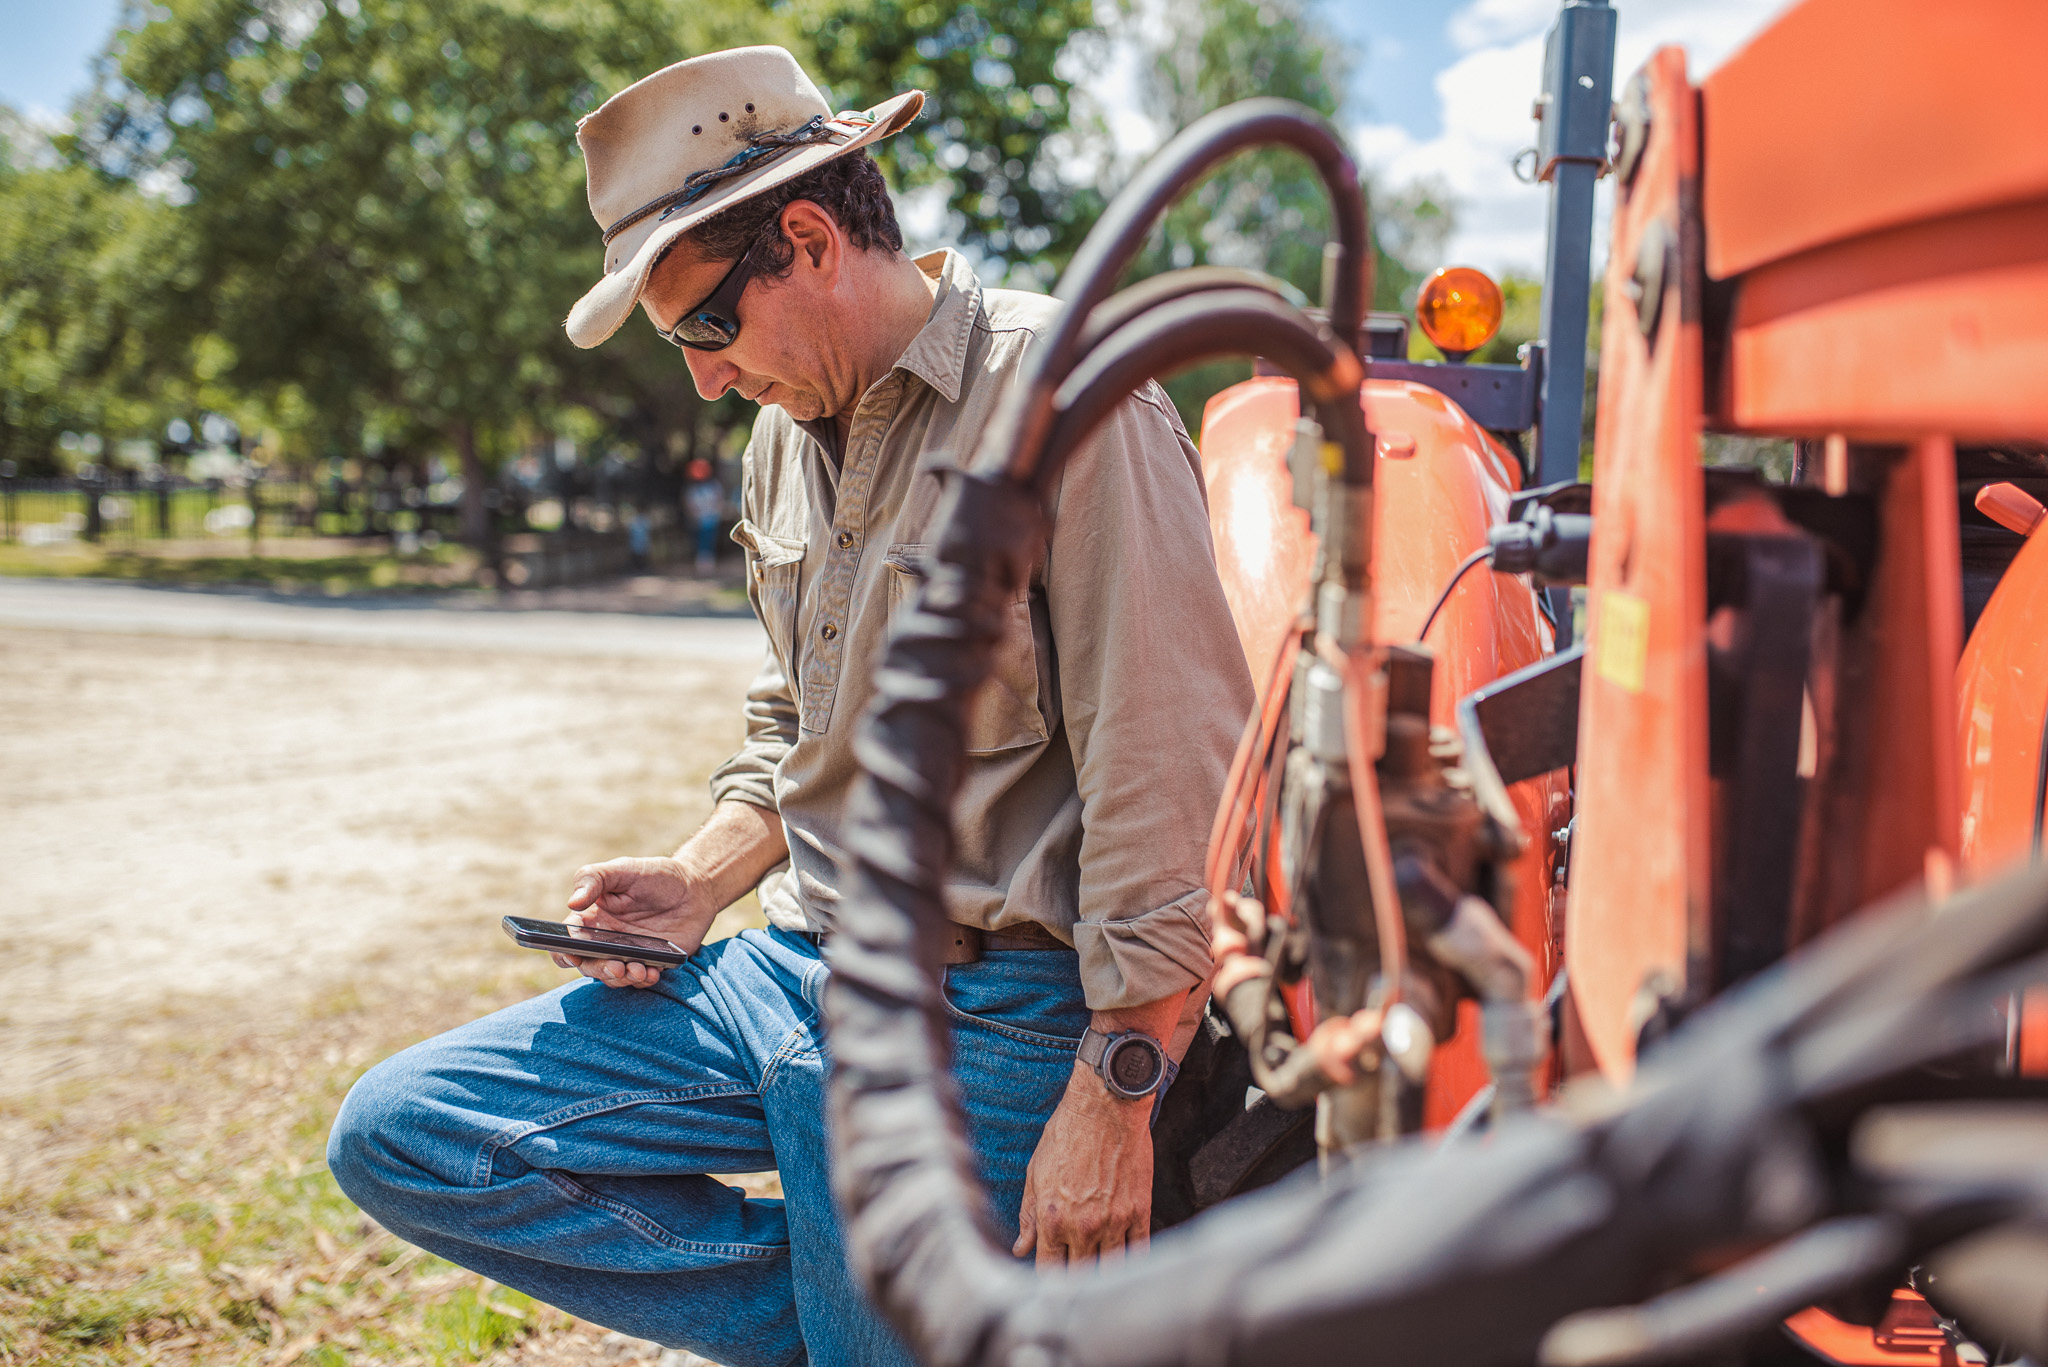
[80, 605]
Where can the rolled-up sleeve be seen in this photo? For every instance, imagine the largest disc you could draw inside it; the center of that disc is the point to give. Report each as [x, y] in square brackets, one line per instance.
[749, 776]
[770, 711]
[1155, 693]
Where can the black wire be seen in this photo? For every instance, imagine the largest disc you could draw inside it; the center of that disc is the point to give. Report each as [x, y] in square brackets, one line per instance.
[1467, 563]
[2040, 788]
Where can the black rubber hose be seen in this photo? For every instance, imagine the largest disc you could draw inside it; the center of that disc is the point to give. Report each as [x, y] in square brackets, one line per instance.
[1200, 328]
[1154, 290]
[1014, 438]
[915, 1233]
[1464, 566]
[2040, 793]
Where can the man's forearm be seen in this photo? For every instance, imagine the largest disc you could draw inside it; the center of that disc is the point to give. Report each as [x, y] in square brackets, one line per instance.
[1161, 1019]
[733, 850]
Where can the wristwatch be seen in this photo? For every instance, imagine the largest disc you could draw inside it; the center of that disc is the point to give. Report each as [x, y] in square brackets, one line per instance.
[1130, 1063]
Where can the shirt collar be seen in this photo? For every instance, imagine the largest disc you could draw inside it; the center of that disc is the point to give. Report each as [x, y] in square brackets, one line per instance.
[938, 354]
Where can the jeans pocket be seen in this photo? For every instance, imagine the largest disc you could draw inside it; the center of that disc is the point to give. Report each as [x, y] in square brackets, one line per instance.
[1030, 996]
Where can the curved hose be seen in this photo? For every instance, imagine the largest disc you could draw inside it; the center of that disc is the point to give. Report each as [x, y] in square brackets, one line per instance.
[1126, 304]
[1014, 439]
[1190, 330]
[1465, 566]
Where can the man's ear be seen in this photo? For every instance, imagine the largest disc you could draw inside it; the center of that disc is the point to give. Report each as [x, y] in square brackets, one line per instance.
[815, 235]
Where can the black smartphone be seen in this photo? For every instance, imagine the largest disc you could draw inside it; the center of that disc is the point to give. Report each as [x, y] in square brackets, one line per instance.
[589, 942]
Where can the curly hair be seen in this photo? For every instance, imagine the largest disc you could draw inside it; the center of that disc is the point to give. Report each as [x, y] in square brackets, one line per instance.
[849, 188]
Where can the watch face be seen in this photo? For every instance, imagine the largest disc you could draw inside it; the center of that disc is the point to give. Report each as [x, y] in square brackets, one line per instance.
[1133, 1066]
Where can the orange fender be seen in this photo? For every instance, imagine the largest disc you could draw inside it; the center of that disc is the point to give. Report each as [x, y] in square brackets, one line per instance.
[1440, 481]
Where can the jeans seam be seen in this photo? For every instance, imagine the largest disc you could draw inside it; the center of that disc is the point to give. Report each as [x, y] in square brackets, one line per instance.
[480, 1173]
[576, 1191]
[1033, 1037]
[800, 1040]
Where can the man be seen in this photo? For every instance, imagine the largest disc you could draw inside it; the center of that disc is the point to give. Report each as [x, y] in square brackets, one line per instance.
[560, 1146]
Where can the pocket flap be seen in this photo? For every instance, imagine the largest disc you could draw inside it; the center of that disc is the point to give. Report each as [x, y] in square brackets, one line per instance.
[909, 556]
[768, 551]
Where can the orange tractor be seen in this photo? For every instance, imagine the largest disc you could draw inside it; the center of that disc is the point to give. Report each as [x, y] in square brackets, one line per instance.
[1468, 866]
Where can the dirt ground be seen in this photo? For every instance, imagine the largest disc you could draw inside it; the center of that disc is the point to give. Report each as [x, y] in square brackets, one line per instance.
[217, 857]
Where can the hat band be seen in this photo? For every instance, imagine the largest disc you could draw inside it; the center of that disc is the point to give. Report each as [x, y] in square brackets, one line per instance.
[762, 147]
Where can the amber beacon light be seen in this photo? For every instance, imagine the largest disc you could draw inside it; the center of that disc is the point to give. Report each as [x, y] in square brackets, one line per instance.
[1459, 309]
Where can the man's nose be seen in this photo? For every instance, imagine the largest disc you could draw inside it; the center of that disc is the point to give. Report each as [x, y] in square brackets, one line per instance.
[713, 374]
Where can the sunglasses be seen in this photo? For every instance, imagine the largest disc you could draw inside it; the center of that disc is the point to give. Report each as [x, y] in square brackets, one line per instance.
[714, 324]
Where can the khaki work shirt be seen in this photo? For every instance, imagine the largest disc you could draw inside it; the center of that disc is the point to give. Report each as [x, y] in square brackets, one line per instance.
[1099, 748]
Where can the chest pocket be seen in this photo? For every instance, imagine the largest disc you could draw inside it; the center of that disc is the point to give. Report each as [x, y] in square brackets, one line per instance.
[774, 572]
[1005, 714]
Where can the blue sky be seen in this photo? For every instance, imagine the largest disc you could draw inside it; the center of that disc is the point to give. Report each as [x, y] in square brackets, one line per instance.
[1441, 91]
[43, 62]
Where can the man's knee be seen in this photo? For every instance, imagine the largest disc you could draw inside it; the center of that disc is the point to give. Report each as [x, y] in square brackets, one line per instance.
[375, 1150]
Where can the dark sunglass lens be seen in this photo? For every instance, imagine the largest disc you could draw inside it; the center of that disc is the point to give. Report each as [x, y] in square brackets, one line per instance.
[707, 330]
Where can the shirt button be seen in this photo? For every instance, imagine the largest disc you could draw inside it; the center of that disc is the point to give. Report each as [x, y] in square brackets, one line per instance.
[844, 539]
[830, 632]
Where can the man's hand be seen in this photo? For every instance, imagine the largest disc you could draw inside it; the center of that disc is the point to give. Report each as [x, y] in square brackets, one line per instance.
[640, 897]
[676, 897]
[1088, 1192]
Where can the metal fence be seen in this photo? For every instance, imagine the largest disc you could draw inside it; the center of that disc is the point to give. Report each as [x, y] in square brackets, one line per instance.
[578, 524]
[127, 508]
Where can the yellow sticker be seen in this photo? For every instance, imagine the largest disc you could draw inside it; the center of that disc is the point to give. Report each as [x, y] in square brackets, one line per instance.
[1622, 646]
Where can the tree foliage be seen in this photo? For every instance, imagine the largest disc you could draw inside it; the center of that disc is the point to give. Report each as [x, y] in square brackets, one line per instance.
[995, 98]
[360, 222]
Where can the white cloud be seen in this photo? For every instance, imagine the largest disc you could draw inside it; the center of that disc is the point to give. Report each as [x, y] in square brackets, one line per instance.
[1485, 23]
[1485, 98]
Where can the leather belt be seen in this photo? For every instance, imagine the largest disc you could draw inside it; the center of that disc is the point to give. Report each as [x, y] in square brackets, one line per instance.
[966, 944]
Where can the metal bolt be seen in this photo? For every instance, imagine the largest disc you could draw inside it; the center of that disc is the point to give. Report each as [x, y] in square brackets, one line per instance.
[1631, 129]
[1653, 272]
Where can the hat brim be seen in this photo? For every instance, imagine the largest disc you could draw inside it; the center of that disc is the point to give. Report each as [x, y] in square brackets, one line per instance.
[604, 310]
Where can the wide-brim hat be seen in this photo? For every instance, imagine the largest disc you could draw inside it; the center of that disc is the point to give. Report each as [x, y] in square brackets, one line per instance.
[674, 148]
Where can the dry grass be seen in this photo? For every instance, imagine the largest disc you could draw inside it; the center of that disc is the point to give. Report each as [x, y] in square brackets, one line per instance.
[281, 864]
[180, 1212]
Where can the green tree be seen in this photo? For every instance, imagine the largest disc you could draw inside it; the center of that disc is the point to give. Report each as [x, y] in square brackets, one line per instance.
[990, 70]
[379, 203]
[383, 196]
[92, 271]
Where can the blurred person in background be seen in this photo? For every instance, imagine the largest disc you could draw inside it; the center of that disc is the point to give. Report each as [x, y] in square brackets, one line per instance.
[562, 1146]
[705, 500]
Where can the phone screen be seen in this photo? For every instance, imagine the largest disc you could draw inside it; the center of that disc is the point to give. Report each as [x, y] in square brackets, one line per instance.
[618, 938]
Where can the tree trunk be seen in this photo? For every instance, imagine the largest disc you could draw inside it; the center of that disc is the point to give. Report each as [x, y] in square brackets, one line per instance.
[475, 513]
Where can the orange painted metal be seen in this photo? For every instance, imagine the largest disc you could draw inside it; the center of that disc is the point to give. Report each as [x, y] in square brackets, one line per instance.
[2002, 702]
[1439, 483]
[1845, 117]
[1639, 869]
[1929, 327]
[2011, 507]
[1889, 814]
[1899, 1340]
[2002, 698]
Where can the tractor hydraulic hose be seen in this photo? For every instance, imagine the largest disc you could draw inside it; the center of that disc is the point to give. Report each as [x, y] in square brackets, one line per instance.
[1014, 438]
[1560, 1213]
[1198, 328]
[1154, 290]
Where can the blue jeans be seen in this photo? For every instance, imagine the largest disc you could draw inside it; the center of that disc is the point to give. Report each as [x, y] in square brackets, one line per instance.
[560, 1146]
